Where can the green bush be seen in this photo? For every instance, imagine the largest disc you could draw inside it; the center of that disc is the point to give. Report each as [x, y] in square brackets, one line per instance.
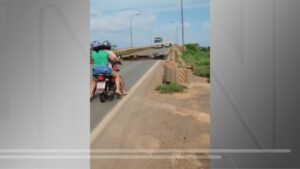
[192, 47]
[170, 88]
[203, 71]
[199, 57]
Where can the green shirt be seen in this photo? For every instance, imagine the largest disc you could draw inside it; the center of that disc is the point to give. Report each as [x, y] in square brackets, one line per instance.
[100, 58]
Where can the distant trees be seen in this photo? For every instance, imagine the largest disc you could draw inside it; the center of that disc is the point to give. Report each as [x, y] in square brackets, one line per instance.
[114, 46]
[196, 46]
[199, 58]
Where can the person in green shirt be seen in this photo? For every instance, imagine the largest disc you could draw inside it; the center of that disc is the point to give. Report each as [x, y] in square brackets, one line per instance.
[107, 47]
[100, 65]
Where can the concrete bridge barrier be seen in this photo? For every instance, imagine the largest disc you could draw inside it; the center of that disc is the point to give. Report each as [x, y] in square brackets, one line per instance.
[173, 73]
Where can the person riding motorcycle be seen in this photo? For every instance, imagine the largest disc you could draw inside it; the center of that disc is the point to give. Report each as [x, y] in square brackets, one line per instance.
[107, 46]
[100, 59]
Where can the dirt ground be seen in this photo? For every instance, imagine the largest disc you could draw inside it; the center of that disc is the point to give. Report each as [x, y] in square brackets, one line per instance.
[155, 121]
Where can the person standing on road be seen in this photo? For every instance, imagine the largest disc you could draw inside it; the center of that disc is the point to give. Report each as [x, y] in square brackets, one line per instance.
[107, 46]
[100, 60]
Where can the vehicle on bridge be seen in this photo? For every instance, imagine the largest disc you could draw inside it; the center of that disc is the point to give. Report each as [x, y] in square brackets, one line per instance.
[158, 42]
[168, 43]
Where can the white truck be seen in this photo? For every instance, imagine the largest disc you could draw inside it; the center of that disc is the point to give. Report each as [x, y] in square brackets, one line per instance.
[158, 42]
[168, 43]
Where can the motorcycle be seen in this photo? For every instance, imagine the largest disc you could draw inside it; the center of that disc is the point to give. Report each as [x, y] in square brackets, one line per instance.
[106, 85]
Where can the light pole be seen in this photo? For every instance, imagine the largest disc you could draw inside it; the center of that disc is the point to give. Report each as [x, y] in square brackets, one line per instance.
[152, 34]
[182, 24]
[176, 33]
[131, 19]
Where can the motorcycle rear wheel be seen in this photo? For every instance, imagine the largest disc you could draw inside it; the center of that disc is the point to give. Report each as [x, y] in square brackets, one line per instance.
[112, 91]
[103, 97]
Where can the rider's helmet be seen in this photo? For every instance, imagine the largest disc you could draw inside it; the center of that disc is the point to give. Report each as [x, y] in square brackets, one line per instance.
[95, 44]
[106, 45]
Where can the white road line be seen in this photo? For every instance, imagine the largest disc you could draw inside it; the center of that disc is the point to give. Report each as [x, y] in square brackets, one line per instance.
[97, 131]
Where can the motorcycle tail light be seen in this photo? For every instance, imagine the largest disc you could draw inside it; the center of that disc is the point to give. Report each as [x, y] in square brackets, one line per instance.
[101, 78]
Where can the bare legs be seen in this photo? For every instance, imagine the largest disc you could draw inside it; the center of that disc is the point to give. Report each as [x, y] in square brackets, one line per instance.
[120, 86]
[118, 83]
[93, 88]
[123, 89]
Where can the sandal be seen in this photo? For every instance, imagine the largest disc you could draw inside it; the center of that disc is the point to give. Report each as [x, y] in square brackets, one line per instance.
[118, 93]
[124, 92]
[92, 97]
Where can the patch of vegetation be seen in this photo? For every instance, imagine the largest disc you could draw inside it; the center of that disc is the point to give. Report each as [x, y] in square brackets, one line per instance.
[199, 58]
[170, 88]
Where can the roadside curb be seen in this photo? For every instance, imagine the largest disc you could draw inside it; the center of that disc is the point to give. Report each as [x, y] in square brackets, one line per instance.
[100, 127]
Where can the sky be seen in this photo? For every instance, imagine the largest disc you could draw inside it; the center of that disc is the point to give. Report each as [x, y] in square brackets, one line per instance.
[110, 20]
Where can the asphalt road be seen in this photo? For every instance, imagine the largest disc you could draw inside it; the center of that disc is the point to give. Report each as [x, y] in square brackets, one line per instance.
[153, 52]
[131, 72]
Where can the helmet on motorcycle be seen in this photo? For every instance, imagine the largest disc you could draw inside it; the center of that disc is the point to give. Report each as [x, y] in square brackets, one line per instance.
[106, 45]
[95, 44]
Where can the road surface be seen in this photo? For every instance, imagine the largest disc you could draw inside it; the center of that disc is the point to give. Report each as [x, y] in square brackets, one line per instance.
[153, 52]
[152, 130]
[131, 72]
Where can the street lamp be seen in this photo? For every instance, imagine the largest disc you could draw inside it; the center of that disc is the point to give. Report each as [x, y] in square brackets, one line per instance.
[176, 35]
[131, 19]
[152, 34]
[182, 24]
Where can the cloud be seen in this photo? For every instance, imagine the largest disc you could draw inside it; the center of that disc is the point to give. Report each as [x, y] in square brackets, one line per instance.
[187, 25]
[93, 13]
[205, 25]
[169, 26]
[110, 20]
[151, 5]
[120, 21]
[177, 8]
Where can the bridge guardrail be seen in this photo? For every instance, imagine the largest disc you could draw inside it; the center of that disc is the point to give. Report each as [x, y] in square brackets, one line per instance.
[176, 70]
